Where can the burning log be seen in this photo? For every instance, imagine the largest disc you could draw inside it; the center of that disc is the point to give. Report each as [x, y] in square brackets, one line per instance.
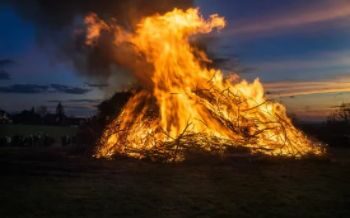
[189, 106]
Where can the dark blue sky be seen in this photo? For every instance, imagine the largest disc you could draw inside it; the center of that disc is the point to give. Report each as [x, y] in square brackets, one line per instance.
[303, 45]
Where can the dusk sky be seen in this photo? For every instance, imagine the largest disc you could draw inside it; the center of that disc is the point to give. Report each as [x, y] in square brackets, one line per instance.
[299, 49]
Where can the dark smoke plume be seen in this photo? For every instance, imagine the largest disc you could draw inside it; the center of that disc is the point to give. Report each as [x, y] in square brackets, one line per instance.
[60, 23]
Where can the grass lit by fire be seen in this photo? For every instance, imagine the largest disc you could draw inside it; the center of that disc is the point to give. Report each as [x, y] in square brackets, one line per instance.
[49, 183]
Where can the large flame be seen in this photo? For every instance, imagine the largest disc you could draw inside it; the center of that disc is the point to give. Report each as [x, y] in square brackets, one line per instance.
[190, 106]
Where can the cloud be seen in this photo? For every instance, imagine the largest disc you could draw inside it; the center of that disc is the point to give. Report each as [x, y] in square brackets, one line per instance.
[323, 12]
[6, 62]
[97, 85]
[36, 89]
[68, 89]
[84, 100]
[299, 88]
[59, 24]
[24, 89]
[310, 61]
[312, 115]
[4, 75]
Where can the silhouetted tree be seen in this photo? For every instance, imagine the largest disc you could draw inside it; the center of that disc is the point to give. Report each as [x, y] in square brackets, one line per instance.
[60, 116]
[338, 126]
[341, 115]
[42, 111]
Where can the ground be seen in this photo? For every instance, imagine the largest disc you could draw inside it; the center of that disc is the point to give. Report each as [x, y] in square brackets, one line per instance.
[49, 183]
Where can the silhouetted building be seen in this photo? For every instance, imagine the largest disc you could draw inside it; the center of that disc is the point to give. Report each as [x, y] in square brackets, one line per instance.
[4, 117]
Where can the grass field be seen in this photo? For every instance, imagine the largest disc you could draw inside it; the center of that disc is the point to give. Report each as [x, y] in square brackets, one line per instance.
[50, 183]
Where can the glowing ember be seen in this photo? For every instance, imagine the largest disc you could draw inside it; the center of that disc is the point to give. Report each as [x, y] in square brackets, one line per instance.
[190, 107]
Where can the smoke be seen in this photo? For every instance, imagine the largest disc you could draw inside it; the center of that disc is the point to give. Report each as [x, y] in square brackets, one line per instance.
[60, 24]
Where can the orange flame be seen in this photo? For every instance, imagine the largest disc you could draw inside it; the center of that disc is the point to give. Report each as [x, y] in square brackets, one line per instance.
[189, 105]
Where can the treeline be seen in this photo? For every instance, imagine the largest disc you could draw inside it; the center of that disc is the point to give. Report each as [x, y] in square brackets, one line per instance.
[40, 116]
[335, 131]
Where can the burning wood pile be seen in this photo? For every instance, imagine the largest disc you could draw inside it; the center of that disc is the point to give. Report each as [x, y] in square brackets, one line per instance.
[186, 106]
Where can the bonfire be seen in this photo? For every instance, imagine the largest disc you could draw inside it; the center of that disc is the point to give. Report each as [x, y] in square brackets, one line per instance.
[188, 106]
